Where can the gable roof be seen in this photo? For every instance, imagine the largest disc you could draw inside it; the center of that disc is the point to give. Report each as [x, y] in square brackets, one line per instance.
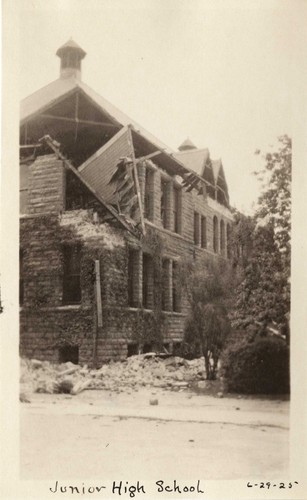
[179, 163]
[62, 87]
[216, 167]
[194, 159]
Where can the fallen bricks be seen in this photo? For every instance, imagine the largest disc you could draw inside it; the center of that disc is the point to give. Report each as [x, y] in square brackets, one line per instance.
[143, 370]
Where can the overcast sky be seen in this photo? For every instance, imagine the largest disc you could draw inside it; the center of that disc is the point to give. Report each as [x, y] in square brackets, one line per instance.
[220, 73]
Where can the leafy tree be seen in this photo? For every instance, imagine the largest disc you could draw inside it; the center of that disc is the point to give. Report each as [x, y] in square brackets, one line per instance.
[207, 324]
[274, 203]
[261, 246]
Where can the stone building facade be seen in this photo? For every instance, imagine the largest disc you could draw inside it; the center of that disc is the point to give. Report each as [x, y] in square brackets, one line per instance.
[92, 286]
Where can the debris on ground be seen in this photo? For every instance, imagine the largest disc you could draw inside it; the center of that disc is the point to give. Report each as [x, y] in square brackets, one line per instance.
[153, 402]
[136, 372]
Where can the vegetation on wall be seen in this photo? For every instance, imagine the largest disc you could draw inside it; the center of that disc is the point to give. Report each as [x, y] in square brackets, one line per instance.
[152, 326]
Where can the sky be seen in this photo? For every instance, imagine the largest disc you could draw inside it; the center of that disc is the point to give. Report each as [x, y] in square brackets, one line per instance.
[220, 73]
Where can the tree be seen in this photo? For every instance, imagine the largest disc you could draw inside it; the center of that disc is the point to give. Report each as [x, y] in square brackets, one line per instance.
[262, 247]
[207, 324]
[274, 203]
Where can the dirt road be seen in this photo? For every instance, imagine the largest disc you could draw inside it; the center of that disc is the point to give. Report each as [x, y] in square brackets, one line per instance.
[99, 434]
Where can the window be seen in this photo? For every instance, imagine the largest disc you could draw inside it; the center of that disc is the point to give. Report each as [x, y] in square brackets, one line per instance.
[177, 210]
[176, 289]
[222, 237]
[148, 283]
[77, 195]
[165, 285]
[132, 276]
[69, 353]
[21, 273]
[228, 244]
[71, 276]
[149, 194]
[164, 199]
[203, 229]
[196, 228]
[215, 235]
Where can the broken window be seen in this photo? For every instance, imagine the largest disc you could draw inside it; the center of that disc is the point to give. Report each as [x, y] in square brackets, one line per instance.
[149, 194]
[215, 235]
[71, 274]
[148, 282]
[176, 288]
[21, 273]
[196, 228]
[203, 229]
[177, 209]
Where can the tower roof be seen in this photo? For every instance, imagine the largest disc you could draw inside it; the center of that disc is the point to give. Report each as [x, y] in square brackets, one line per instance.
[70, 44]
[186, 145]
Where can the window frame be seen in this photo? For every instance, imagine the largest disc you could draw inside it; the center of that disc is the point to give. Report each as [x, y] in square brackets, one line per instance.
[177, 209]
[203, 231]
[70, 277]
[196, 226]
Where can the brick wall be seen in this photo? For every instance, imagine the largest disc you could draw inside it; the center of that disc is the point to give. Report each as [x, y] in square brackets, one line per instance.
[46, 185]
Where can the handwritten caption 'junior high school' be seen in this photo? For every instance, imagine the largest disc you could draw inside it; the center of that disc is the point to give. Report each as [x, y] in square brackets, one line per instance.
[129, 489]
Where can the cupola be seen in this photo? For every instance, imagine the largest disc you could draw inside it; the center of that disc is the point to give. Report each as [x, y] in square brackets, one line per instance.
[71, 56]
[187, 145]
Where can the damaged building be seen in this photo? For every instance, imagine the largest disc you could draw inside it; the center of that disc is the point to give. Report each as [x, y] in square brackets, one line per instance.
[107, 213]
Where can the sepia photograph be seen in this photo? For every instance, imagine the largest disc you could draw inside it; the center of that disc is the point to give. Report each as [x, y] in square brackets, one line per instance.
[152, 332]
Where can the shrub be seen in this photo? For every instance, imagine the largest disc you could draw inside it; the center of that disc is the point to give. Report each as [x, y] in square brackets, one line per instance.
[259, 366]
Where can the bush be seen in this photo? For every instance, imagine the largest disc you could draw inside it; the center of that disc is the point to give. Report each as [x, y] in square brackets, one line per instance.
[260, 366]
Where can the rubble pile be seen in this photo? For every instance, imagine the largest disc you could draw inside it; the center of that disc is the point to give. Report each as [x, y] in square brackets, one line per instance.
[143, 370]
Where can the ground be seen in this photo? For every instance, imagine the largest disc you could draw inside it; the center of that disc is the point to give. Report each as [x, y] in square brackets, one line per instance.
[102, 434]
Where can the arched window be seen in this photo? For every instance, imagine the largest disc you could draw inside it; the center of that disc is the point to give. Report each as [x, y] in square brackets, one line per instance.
[215, 234]
[222, 237]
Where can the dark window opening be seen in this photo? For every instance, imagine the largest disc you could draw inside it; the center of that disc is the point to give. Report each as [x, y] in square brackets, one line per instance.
[222, 236]
[21, 273]
[176, 289]
[196, 228]
[132, 277]
[165, 285]
[164, 198]
[147, 348]
[228, 237]
[71, 276]
[132, 350]
[77, 196]
[177, 210]
[203, 228]
[69, 353]
[147, 281]
[177, 351]
[215, 235]
[149, 195]
[70, 60]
